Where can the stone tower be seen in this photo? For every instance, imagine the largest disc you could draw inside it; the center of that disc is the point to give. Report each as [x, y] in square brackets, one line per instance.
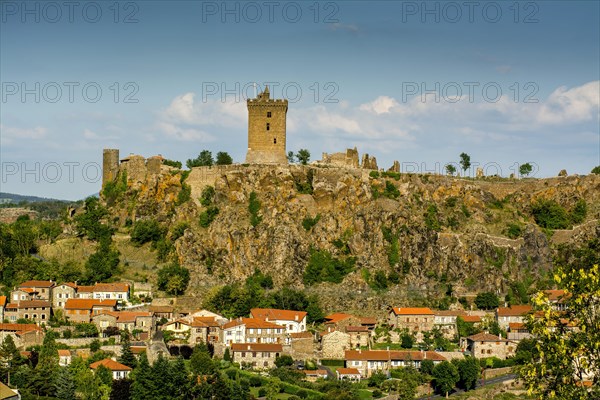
[266, 129]
[110, 165]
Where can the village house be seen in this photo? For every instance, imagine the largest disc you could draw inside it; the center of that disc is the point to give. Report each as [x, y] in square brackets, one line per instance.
[64, 357]
[252, 330]
[483, 345]
[302, 345]
[82, 310]
[359, 336]
[370, 361]
[314, 375]
[256, 355]
[445, 320]
[160, 312]
[557, 299]
[2, 306]
[124, 320]
[506, 315]
[41, 290]
[24, 335]
[61, 293]
[112, 291]
[194, 330]
[84, 292]
[517, 331]
[416, 319]
[334, 344]
[340, 321]
[37, 311]
[348, 374]
[292, 321]
[7, 393]
[119, 371]
[11, 312]
[18, 295]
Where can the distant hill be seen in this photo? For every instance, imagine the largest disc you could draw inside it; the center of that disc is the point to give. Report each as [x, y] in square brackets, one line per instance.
[17, 198]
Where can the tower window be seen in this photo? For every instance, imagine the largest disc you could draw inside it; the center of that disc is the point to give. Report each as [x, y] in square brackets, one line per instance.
[274, 140]
[268, 114]
[268, 126]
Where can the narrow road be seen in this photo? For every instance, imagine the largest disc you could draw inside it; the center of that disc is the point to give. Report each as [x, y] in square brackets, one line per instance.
[480, 383]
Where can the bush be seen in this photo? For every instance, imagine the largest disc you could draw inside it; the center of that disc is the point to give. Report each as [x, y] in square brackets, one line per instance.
[431, 218]
[223, 158]
[208, 216]
[284, 360]
[254, 208]
[207, 196]
[308, 222]
[173, 279]
[487, 301]
[171, 163]
[184, 195]
[514, 231]
[549, 214]
[596, 170]
[323, 267]
[374, 174]
[146, 231]
[579, 212]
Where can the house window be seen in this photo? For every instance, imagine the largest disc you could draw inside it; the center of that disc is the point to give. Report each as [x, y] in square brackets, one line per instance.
[243, 354]
[60, 296]
[268, 114]
[43, 316]
[120, 296]
[274, 140]
[253, 354]
[268, 126]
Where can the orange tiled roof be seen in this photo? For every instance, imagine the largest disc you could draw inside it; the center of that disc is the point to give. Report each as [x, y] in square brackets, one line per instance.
[368, 320]
[138, 349]
[88, 304]
[64, 353]
[384, 355]
[412, 311]
[486, 337]
[85, 289]
[12, 305]
[110, 364]
[34, 304]
[516, 325]
[111, 287]
[337, 317]
[513, 311]
[205, 321]
[450, 313]
[256, 347]
[348, 371]
[275, 314]
[28, 290]
[69, 284]
[41, 284]
[19, 328]
[2, 301]
[252, 323]
[316, 372]
[555, 294]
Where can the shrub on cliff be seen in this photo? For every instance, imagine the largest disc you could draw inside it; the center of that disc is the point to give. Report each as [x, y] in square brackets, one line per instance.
[146, 231]
[173, 279]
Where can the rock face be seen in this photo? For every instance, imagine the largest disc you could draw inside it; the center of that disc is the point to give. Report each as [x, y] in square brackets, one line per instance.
[448, 230]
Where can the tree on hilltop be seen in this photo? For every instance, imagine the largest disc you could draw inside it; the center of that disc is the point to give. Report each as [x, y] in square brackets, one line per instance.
[204, 159]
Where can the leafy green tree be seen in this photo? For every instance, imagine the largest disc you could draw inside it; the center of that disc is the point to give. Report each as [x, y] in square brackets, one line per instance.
[450, 169]
[549, 214]
[487, 301]
[47, 367]
[468, 371]
[407, 341]
[596, 170]
[89, 222]
[465, 161]
[223, 158]
[303, 156]
[102, 264]
[172, 163]
[127, 357]
[65, 384]
[324, 267]
[566, 342]
[104, 375]
[207, 196]
[290, 157]
[173, 279]
[121, 389]
[284, 360]
[204, 159]
[201, 363]
[445, 377]
[579, 212]
[142, 387]
[227, 355]
[427, 366]
[525, 169]
[145, 231]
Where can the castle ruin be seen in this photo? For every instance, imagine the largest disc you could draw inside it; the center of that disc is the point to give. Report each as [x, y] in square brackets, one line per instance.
[266, 129]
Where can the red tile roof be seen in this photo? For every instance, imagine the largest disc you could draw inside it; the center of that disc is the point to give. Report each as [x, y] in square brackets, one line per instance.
[19, 328]
[348, 371]
[368, 320]
[110, 364]
[316, 372]
[2, 301]
[205, 322]
[40, 284]
[267, 347]
[301, 335]
[357, 329]
[85, 289]
[64, 353]
[450, 313]
[337, 317]
[516, 325]
[555, 294]
[385, 355]
[471, 318]
[412, 311]
[12, 305]
[275, 314]
[88, 304]
[252, 323]
[513, 311]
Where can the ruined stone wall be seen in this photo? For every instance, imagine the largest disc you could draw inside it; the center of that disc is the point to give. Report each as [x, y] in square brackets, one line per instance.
[110, 165]
[348, 159]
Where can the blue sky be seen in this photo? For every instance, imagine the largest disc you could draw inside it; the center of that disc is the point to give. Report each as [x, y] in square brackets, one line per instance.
[368, 74]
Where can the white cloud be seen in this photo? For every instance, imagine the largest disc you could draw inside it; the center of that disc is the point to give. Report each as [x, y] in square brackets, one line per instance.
[10, 134]
[381, 105]
[571, 105]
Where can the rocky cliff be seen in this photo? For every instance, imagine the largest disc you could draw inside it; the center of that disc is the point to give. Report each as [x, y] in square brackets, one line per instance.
[434, 234]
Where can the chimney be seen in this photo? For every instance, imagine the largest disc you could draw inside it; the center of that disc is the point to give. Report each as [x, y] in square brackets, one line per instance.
[505, 304]
[500, 335]
[249, 347]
